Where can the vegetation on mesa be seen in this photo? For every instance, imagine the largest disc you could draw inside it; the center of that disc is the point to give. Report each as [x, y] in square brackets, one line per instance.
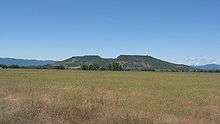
[123, 62]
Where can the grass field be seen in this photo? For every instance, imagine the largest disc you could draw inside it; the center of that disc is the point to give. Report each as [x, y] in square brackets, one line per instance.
[83, 97]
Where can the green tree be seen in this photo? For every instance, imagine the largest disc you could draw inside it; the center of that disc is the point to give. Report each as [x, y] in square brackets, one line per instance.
[116, 66]
[102, 68]
[93, 67]
[13, 66]
[84, 67]
[110, 67]
[4, 66]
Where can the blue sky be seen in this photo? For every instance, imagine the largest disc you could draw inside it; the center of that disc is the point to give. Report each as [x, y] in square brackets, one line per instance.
[181, 31]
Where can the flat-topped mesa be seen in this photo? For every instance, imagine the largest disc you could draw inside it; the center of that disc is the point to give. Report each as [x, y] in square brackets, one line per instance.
[129, 62]
[86, 56]
[91, 56]
[83, 58]
[132, 57]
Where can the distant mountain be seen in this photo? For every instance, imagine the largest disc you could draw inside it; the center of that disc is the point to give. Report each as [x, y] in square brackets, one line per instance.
[24, 62]
[77, 61]
[129, 62]
[209, 67]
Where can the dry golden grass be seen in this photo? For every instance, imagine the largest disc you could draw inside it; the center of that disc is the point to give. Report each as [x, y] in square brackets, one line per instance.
[83, 97]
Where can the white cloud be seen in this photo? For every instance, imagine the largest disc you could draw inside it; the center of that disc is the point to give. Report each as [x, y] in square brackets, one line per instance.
[201, 60]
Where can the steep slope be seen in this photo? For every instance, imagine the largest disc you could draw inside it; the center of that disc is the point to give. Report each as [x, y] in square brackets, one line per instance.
[24, 62]
[129, 62]
[137, 62]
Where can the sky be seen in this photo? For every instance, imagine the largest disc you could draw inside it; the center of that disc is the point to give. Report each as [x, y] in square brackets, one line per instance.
[179, 31]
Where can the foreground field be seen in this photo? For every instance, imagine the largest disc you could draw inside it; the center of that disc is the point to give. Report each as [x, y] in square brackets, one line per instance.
[83, 97]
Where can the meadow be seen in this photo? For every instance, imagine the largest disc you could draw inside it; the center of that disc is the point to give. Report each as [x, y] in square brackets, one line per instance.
[105, 97]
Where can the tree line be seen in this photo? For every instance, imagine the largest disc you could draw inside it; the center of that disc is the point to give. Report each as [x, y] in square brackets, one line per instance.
[22, 67]
[111, 67]
[115, 66]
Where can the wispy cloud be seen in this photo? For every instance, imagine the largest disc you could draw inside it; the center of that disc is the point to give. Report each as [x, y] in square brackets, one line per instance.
[201, 60]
